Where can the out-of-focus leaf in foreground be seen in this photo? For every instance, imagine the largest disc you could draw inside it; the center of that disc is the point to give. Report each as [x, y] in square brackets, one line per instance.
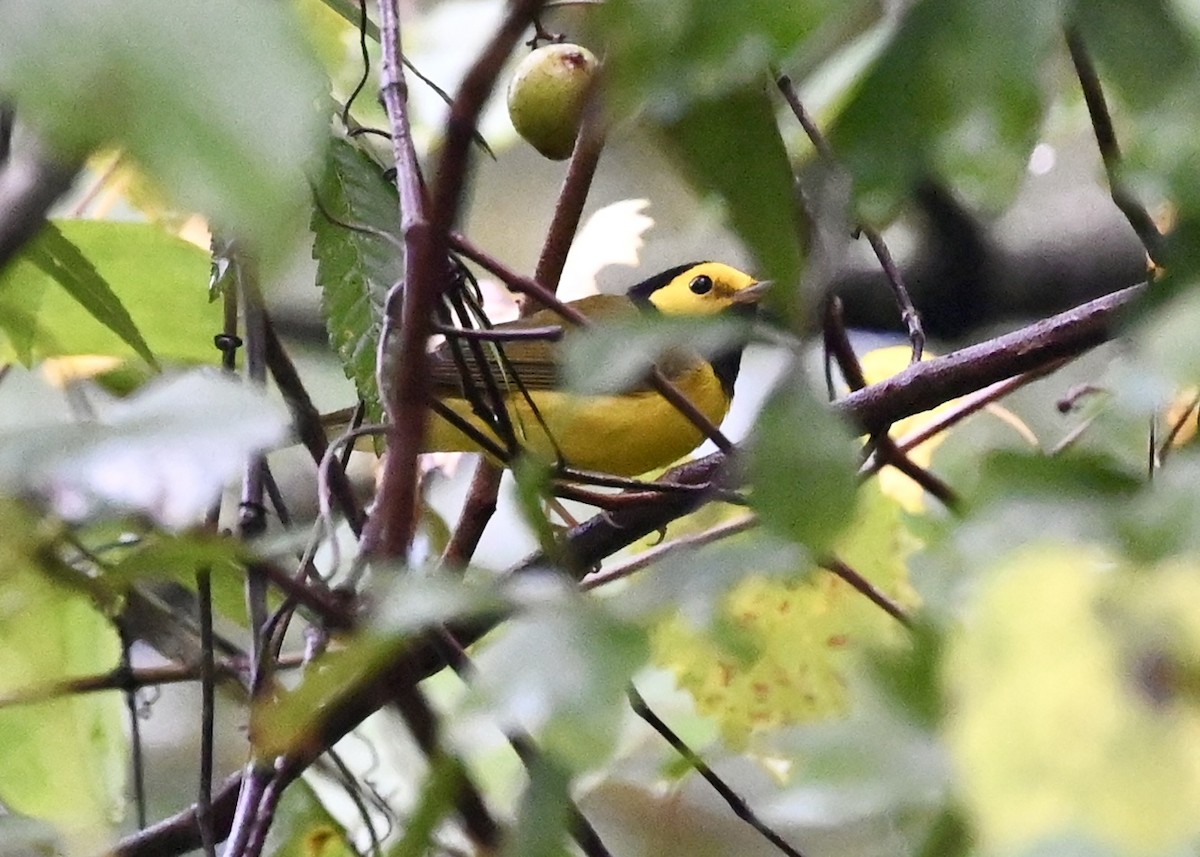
[165, 452]
[61, 760]
[1073, 702]
[956, 94]
[216, 99]
[799, 636]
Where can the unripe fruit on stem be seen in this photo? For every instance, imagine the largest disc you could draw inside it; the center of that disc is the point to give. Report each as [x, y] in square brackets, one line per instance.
[547, 94]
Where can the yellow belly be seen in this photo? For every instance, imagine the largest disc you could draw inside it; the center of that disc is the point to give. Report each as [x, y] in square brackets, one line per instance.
[624, 435]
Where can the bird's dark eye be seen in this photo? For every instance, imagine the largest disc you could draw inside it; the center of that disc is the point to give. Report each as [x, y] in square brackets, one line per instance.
[702, 285]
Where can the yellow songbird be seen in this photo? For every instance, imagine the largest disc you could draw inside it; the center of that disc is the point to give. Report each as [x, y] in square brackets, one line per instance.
[625, 434]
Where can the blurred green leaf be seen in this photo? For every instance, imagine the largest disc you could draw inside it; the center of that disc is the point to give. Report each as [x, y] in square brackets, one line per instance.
[55, 255]
[437, 801]
[1082, 475]
[216, 99]
[730, 146]
[295, 717]
[1091, 741]
[694, 582]
[803, 466]
[544, 815]
[911, 677]
[159, 278]
[559, 671]
[956, 95]
[1143, 50]
[302, 827]
[533, 478]
[179, 557]
[784, 646]
[355, 269]
[611, 357]
[49, 633]
[165, 452]
[668, 54]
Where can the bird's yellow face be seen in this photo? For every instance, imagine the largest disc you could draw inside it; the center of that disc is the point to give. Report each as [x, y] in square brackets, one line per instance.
[706, 289]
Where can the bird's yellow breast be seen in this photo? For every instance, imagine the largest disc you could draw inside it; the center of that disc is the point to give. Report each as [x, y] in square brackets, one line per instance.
[625, 435]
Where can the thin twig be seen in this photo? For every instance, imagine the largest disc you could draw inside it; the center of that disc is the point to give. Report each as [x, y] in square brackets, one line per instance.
[135, 731]
[962, 409]
[647, 558]
[1110, 152]
[735, 802]
[837, 343]
[308, 423]
[891, 271]
[207, 710]
[865, 587]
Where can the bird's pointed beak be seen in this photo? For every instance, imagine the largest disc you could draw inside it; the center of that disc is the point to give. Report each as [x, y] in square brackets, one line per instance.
[753, 294]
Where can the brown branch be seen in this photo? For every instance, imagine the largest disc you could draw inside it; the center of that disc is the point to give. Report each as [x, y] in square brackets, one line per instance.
[30, 183]
[179, 833]
[924, 386]
[390, 530]
[424, 726]
[478, 509]
[309, 426]
[1110, 152]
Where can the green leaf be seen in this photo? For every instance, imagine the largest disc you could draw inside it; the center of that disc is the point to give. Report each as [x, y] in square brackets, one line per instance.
[437, 801]
[694, 582]
[179, 557]
[296, 716]
[165, 452]
[1142, 49]
[612, 357]
[803, 466]
[544, 814]
[957, 95]
[533, 478]
[302, 827]
[356, 269]
[160, 278]
[559, 672]
[214, 100]
[671, 53]
[731, 147]
[57, 257]
[1101, 738]
[47, 634]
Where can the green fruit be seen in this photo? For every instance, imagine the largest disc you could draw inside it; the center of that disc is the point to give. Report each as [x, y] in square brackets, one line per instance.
[547, 94]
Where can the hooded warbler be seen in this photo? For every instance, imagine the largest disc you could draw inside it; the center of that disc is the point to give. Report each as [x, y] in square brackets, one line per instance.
[624, 434]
